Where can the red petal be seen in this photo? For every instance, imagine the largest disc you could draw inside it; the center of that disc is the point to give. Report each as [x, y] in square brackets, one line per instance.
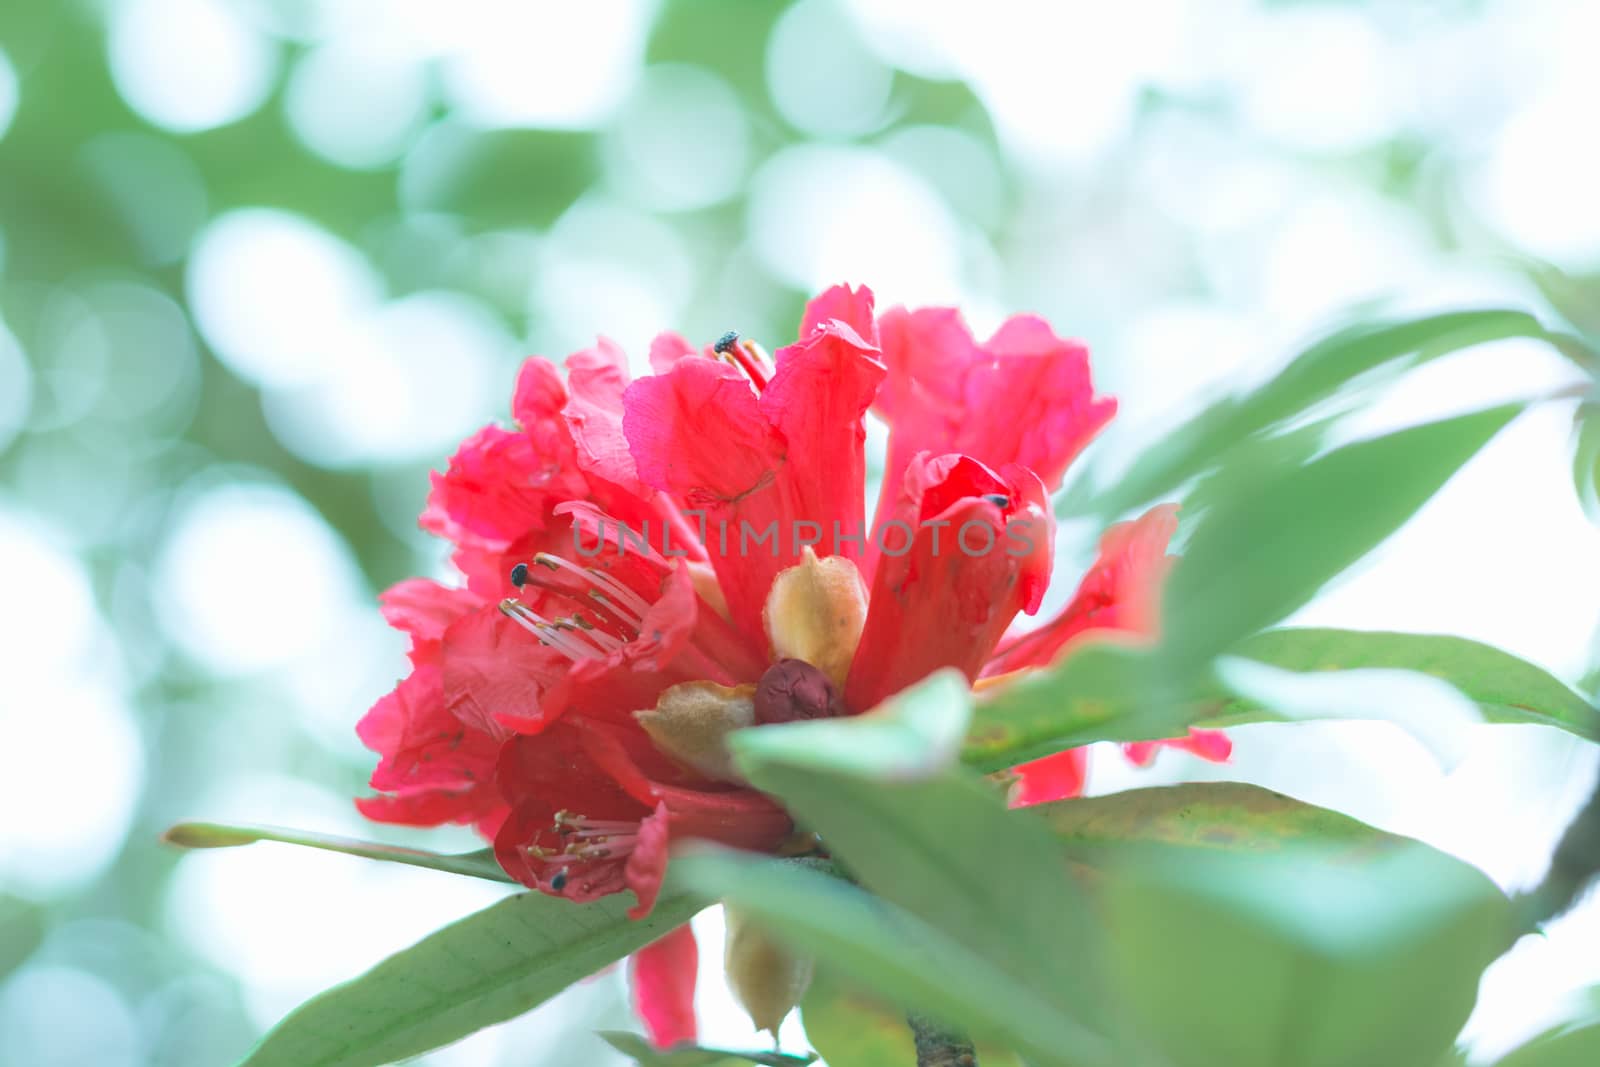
[423, 609]
[597, 377]
[817, 400]
[981, 553]
[647, 864]
[1121, 592]
[663, 975]
[698, 434]
[540, 775]
[499, 486]
[667, 349]
[1213, 745]
[1024, 396]
[536, 404]
[440, 769]
[1054, 777]
[495, 670]
[853, 307]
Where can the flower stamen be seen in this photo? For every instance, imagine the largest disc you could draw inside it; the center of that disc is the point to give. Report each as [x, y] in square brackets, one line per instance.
[745, 356]
[558, 635]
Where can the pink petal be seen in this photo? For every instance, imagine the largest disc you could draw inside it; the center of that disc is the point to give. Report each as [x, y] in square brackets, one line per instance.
[663, 975]
[698, 434]
[1121, 592]
[597, 377]
[1025, 396]
[1213, 745]
[818, 401]
[424, 608]
[1054, 777]
[980, 553]
[494, 670]
[851, 306]
[647, 866]
[667, 349]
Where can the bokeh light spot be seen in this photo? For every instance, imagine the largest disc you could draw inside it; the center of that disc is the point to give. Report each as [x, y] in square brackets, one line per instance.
[251, 577]
[821, 215]
[189, 65]
[822, 79]
[407, 382]
[10, 93]
[65, 1017]
[357, 101]
[1538, 184]
[682, 141]
[556, 66]
[272, 292]
[75, 821]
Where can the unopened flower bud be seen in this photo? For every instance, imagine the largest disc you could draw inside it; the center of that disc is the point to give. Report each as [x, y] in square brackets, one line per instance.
[768, 978]
[815, 613]
[792, 690]
[691, 722]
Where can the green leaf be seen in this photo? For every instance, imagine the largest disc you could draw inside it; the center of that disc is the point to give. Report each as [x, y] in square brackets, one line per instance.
[647, 1055]
[1578, 1047]
[1231, 816]
[888, 950]
[852, 1028]
[487, 968]
[1267, 547]
[1107, 692]
[1102, 691]
[1505, 688]
[1312, 377]
[915, 734]
[1301, 957]
[480, 864]
[949, 852]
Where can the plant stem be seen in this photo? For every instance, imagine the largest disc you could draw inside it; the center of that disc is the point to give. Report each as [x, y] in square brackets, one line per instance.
[939, 1046]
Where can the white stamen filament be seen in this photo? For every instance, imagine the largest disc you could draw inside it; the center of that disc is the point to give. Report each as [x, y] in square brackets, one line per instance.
[620, 595]
[555, 635]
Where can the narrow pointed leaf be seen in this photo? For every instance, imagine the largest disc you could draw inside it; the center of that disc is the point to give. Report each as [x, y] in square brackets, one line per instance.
[480, 864]
[1113, 693]
[1505, 688]
[487, 968]
[1231, 816]
[1269, 547]
[1321, 371]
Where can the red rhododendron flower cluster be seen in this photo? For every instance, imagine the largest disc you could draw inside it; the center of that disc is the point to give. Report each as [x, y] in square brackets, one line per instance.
[650, 563]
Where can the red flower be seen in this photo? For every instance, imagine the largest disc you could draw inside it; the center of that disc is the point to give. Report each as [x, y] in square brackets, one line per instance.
[651, 564]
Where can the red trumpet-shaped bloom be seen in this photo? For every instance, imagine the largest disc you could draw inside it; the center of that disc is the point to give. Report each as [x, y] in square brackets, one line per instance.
[651, 562]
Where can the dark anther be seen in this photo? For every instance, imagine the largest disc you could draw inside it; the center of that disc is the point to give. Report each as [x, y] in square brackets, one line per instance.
[519, 575]
[998, 500]
[793, 689]
[559, 882]
[726, 341]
